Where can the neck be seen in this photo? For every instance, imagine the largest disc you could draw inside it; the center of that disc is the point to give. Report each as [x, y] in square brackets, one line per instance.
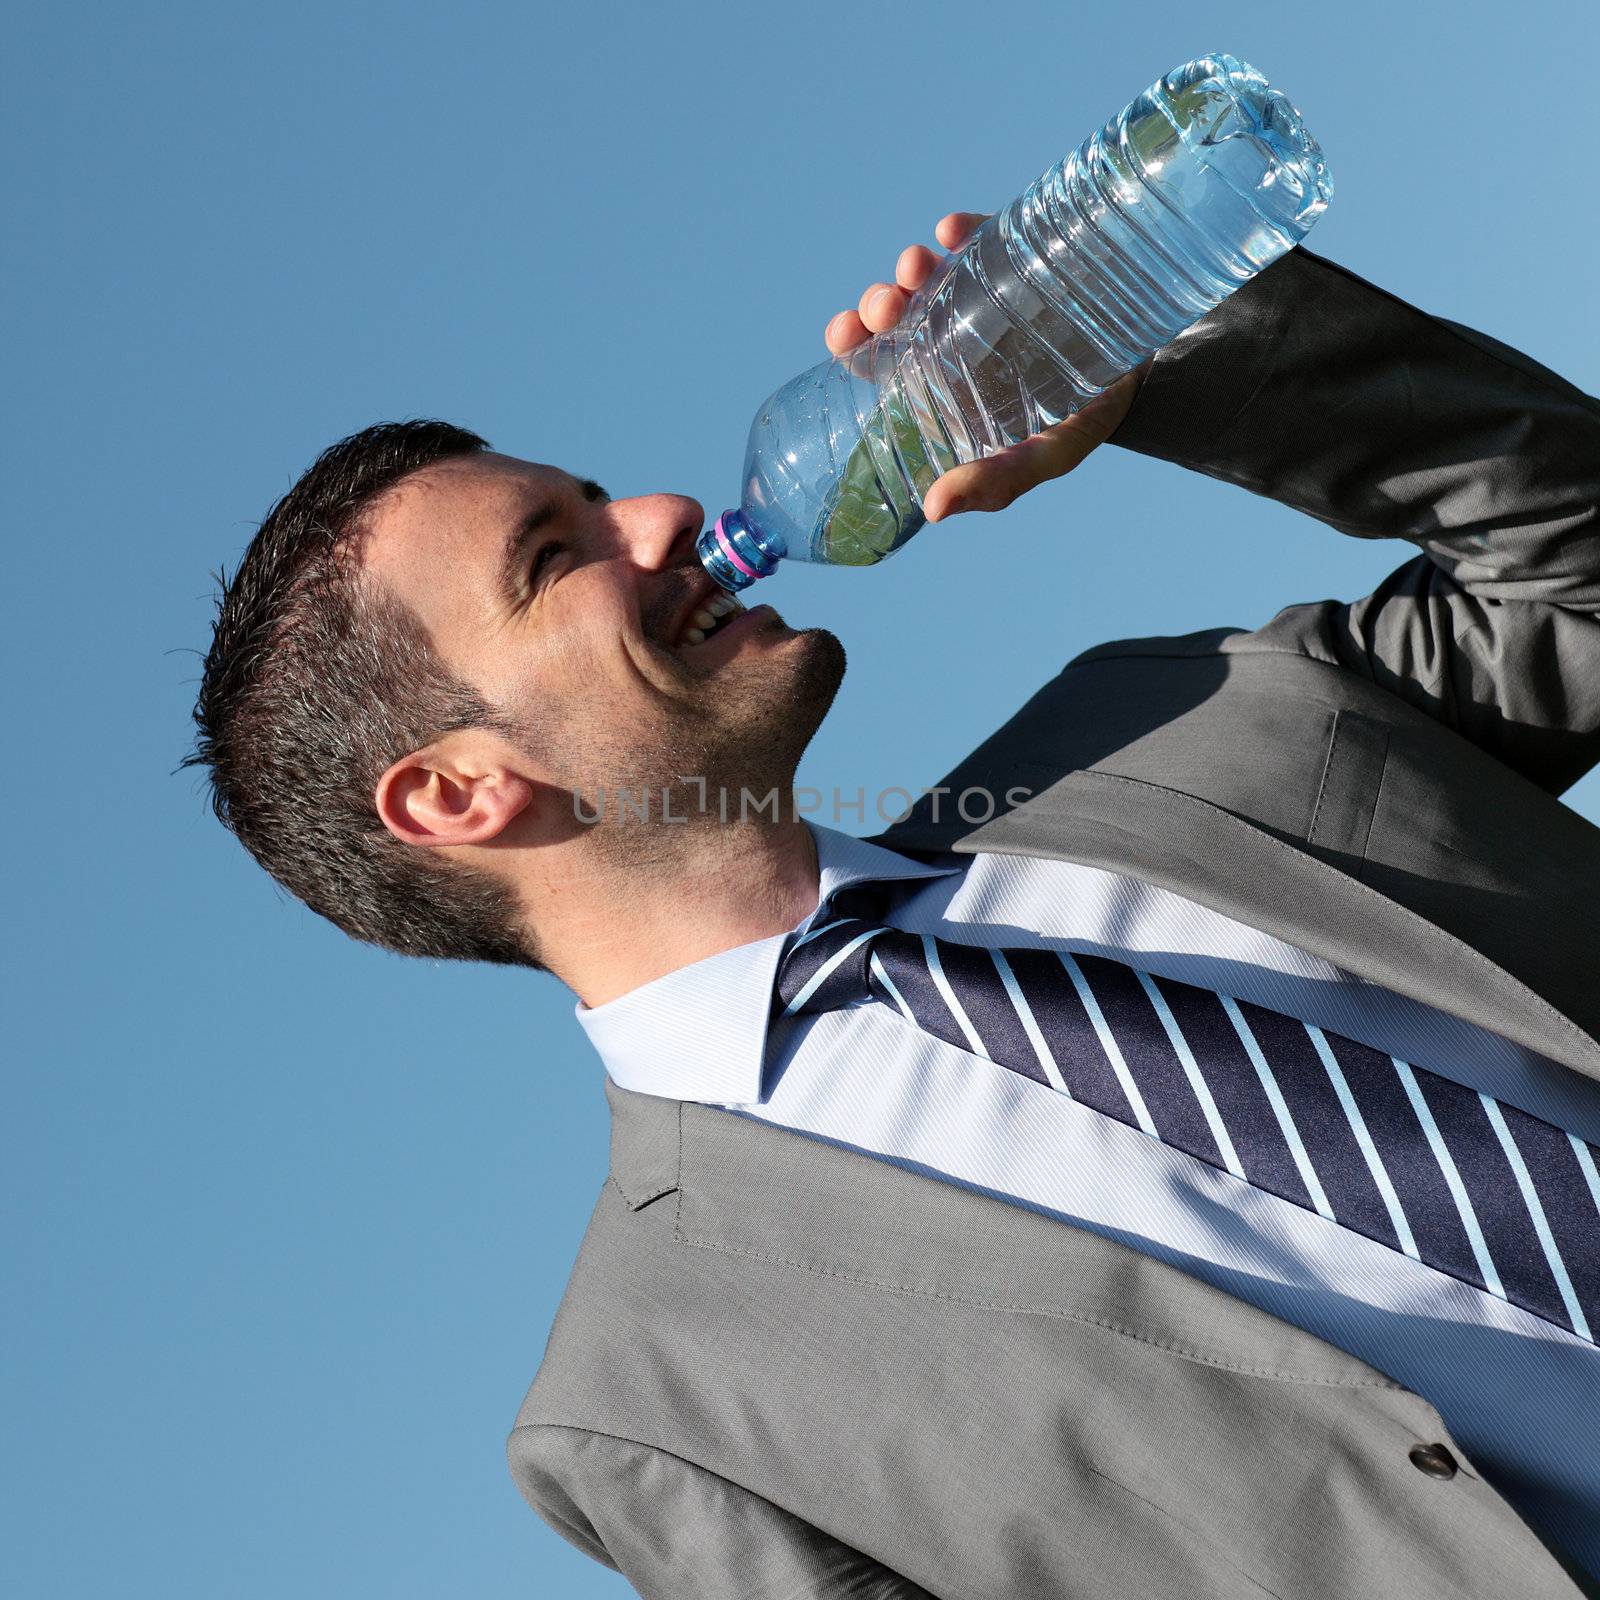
[616, 908]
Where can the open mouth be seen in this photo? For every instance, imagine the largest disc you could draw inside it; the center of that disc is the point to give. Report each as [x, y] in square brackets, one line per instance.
[707, 621]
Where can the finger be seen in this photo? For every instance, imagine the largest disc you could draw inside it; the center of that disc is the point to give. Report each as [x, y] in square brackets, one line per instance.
[954, 230]
[845, 332]
[881, 306]
[914, 267]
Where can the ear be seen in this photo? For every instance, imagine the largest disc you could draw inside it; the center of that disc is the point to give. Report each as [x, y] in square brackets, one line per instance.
[447, 795]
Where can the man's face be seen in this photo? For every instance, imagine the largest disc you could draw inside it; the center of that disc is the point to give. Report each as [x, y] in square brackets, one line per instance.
[567, 610]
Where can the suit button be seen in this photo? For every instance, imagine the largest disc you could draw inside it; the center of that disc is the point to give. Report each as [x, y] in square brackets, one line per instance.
[1433, 1460]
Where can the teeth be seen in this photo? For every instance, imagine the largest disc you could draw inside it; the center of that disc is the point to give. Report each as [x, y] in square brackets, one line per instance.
[703, 621]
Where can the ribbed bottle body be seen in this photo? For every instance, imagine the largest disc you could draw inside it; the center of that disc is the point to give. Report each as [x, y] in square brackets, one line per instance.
[1202, 181]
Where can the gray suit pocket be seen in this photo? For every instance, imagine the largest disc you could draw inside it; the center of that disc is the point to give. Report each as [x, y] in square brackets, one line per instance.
[1347, 797]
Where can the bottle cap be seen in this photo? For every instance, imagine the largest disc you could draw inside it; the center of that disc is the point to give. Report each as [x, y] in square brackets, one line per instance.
[734, 555]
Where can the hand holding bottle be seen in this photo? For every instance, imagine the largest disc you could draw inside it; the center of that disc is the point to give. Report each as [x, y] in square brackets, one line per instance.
[993, 482]
[1023, 349]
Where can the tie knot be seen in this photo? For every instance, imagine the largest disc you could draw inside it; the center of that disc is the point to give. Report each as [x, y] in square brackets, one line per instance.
[827, 966]
[866, 901]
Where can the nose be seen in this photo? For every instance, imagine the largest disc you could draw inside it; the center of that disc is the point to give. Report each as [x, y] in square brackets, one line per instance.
[657, 530]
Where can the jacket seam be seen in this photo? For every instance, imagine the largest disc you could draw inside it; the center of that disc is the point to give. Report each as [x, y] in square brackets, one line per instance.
[1372, 813]
[1342, 720]
[1322, 787]
[646, 1197]
[1038, 1310]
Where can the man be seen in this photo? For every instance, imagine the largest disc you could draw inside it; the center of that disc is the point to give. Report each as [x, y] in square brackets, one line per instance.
[871, 1306]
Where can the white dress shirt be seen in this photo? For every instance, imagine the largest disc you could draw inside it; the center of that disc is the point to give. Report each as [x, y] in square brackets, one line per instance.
[1519, 1394]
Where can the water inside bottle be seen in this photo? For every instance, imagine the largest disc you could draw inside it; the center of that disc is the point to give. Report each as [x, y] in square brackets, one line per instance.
[1084, 275]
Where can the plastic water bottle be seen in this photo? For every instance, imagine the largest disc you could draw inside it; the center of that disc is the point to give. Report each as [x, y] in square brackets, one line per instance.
[1205, 179]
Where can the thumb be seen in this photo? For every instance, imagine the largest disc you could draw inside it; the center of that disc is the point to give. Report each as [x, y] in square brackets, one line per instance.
[993, 482]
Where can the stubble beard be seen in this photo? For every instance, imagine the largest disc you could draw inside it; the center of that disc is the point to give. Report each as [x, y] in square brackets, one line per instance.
[720, 760]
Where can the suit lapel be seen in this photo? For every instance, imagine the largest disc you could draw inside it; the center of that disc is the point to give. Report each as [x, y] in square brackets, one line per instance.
[1211, 856]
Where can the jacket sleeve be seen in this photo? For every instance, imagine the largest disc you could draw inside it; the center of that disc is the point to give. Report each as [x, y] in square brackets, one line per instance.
[678, 1532]
[1314, 387]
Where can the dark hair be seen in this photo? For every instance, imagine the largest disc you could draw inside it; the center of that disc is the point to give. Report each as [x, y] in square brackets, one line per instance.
[317, 680]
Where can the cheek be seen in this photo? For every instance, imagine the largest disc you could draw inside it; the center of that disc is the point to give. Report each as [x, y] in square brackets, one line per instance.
[598, 648]
[570, 674]
[586, 657]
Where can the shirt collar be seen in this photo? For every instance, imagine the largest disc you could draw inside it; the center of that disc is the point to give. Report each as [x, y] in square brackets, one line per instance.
[700, 1033]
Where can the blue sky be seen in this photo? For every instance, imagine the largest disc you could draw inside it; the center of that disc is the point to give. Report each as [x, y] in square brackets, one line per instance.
[288, 1217]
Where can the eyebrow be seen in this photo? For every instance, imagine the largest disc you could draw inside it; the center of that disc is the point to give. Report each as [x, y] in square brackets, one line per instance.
[516, 552]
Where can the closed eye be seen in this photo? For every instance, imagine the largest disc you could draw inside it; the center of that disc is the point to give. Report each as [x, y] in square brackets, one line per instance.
[592, 492]
[549, 548]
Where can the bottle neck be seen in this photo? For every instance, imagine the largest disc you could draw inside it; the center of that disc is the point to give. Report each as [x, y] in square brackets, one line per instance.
[736, 554]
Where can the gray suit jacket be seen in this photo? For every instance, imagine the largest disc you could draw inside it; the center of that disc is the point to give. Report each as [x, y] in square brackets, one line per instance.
[782, 1368]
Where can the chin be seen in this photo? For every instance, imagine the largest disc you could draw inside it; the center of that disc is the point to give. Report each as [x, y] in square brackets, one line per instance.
[782, 710]
[816, 671]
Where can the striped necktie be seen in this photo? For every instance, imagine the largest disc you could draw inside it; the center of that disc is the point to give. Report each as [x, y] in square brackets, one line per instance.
[1458, 1181]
